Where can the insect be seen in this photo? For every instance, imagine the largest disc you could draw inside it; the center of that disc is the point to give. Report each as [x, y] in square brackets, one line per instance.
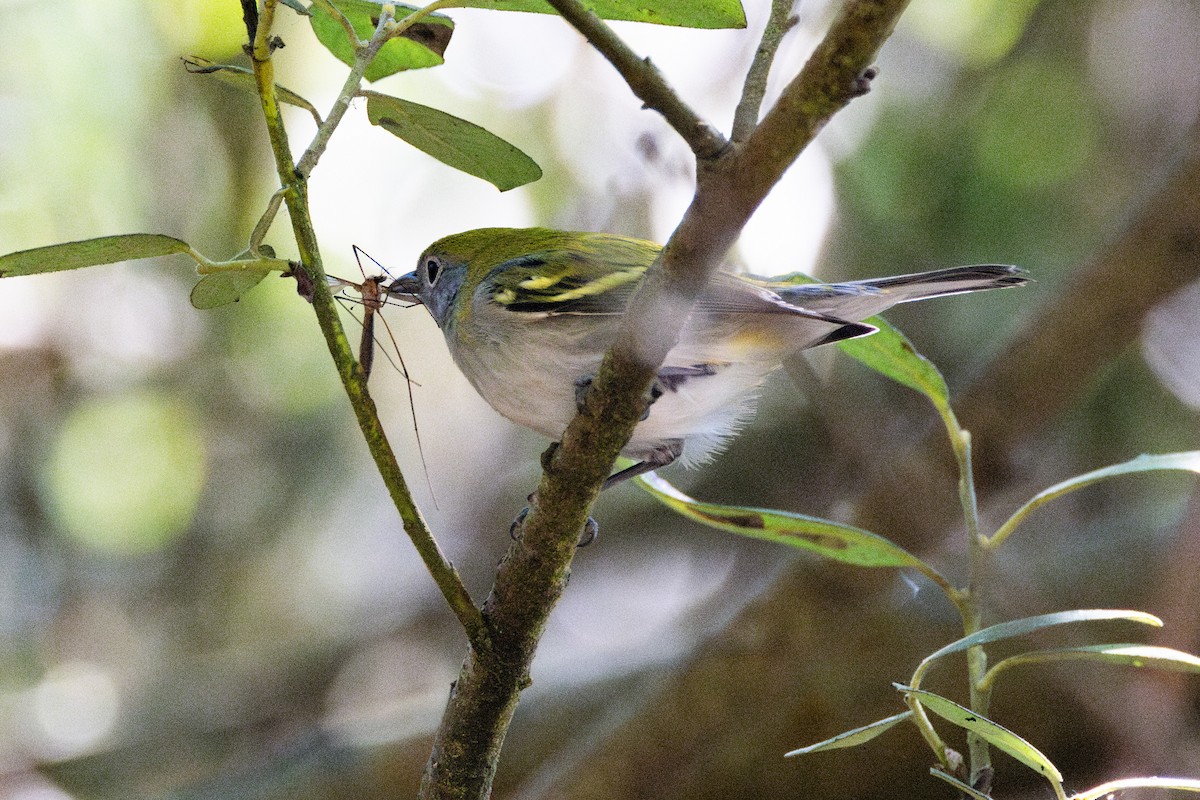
[372, 298]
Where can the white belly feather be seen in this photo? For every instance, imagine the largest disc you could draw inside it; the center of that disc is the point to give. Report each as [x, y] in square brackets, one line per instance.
[531, 380]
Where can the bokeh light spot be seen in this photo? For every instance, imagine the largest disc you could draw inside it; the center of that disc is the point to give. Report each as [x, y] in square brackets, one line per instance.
[978, 31]
[74, 707]
[126, 472]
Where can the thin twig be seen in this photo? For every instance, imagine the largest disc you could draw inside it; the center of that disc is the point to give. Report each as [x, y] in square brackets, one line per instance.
[644, 79]
[387, 29]
[823, 87]
[755, 86]
[362, 59]
[296, 195]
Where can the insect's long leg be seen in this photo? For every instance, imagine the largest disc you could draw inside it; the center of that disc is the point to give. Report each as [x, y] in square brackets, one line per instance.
[372, 298]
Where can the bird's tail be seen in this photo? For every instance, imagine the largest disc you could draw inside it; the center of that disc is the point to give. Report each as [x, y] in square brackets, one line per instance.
[857, 300]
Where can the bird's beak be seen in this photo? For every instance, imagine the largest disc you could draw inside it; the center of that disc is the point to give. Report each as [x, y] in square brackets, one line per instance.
[405, 288]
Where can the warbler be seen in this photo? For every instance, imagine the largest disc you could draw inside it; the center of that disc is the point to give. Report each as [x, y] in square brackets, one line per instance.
[528, 315]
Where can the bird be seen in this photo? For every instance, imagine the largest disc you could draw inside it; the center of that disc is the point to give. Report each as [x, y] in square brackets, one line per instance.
[528, 314]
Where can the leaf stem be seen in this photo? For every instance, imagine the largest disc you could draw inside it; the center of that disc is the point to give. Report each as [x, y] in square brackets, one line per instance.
[243, 265]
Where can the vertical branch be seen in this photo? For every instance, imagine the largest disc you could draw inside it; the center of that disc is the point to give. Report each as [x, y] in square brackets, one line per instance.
[295, 194]
[733, 181]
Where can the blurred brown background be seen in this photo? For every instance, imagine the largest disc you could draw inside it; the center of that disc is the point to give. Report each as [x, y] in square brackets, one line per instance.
[205, 593]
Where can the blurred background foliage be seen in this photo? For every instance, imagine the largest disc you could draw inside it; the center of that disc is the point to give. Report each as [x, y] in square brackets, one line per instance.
[205, 592]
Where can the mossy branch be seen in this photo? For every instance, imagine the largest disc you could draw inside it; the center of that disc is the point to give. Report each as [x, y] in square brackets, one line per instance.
[732, 182]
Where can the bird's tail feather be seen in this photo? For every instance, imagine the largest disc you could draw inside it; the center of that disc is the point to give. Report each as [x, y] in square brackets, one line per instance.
[857, 300]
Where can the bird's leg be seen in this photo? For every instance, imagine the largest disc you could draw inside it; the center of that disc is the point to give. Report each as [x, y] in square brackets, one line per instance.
[659, 457]
[591, 529]
[668, 379]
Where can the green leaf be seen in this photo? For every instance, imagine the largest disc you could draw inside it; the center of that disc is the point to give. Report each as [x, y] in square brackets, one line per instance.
[243, 78]
[1095, 793]
[1134, 655]
[996, 735]
[90, 253]
[297, 6]
[890, 353]
[1186, 461]
[966, 789]
[223, 288]
[420, 46]
[852, 738]
[683, 13]
[1025, 625]
[843, 543]
[453, 141]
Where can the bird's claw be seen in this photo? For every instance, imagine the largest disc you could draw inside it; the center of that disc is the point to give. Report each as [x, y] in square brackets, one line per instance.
[591, 528]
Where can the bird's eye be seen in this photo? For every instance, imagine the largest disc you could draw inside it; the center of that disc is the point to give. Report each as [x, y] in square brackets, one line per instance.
[432, 270]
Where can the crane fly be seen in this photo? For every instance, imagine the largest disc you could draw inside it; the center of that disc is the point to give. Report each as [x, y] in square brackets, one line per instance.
[372, 298]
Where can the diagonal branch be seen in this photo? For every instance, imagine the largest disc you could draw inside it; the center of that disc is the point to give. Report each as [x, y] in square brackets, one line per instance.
[294, 190]
[732, 182]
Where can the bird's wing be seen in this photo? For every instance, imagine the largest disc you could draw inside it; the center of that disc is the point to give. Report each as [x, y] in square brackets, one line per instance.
[598, 280]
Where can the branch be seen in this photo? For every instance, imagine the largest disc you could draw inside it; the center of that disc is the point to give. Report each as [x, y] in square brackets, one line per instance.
[755, 86]
[295, 194]
[534, 572]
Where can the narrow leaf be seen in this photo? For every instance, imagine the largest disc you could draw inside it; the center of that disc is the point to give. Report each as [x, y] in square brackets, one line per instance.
[996, 735]
[852, 738]
[683, 13]
[890, 353]
[1025, 625]
[243, 78]
[1185, 461]
[223, 288]
[1134, 655]
[1095, 793]
[297, 6]
[453, 141]
[89, 253]
[843, 543]
[966, 789]
[421, 46]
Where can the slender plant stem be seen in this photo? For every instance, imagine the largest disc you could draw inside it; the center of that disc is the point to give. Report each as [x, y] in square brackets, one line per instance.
[980, 697]
[754, 89]
[386, 30]
[362, 59]
[296, 196]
